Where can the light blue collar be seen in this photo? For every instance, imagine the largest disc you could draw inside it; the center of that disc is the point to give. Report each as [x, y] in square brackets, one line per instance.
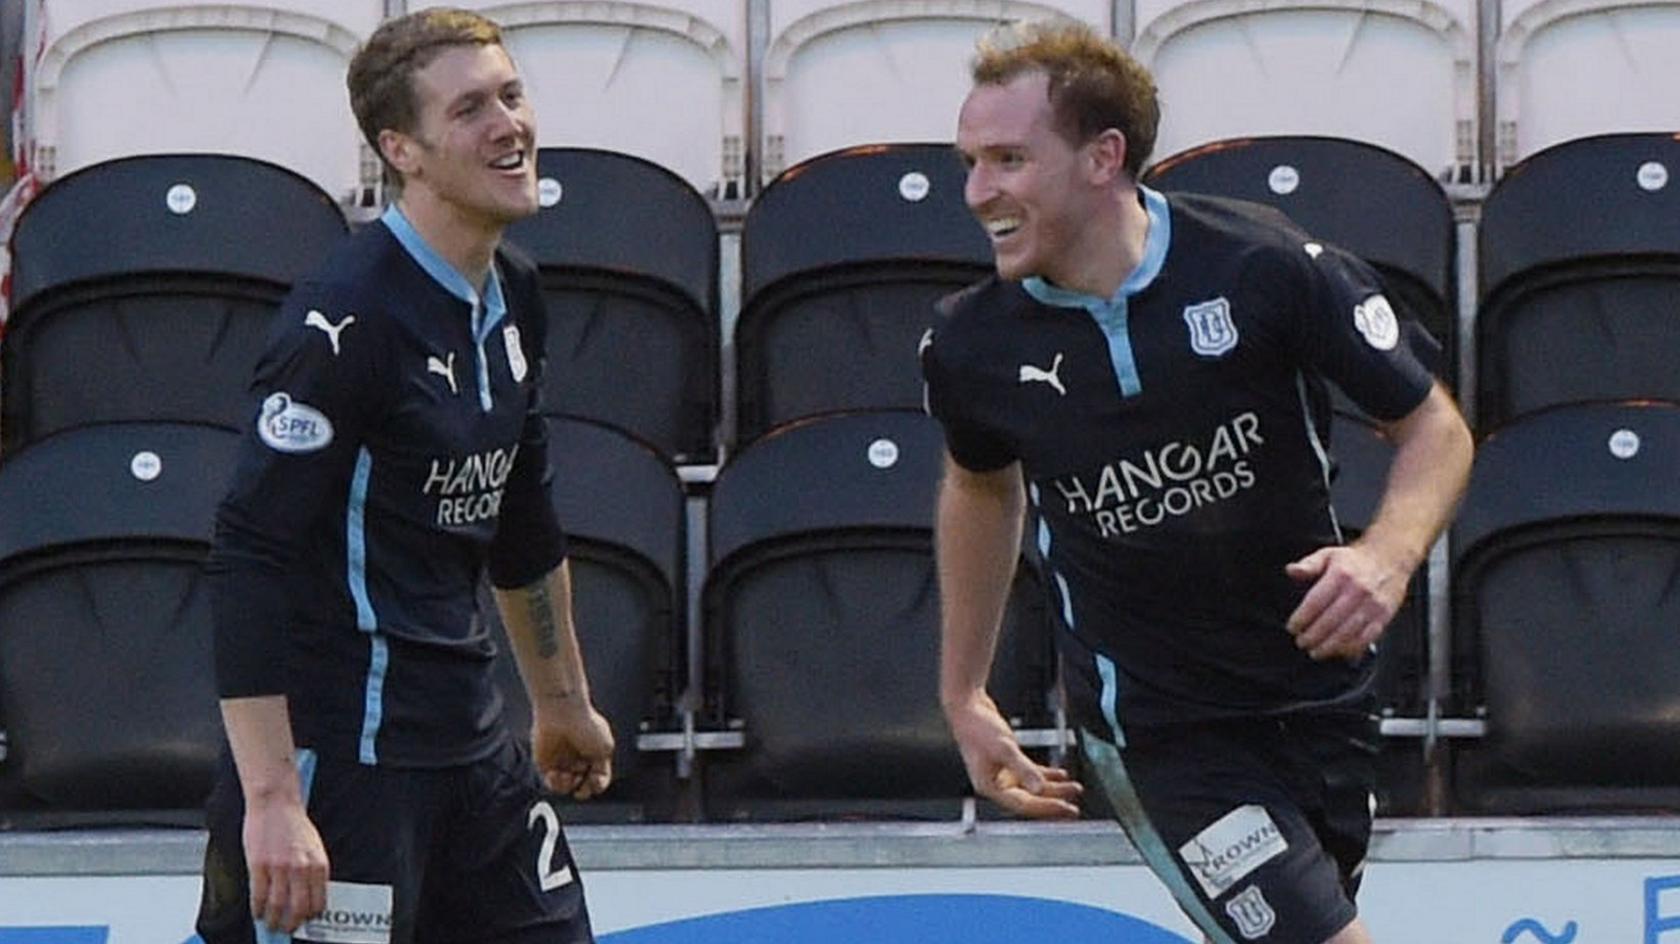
[446, 275]
[1154, 256]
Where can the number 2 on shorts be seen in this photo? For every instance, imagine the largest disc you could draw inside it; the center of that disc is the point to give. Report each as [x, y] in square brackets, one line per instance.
[548, 876]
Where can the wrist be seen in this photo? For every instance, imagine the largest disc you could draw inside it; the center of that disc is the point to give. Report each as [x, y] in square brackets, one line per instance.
[1400, 555]
[273, 793]
[962, 697]
[561, 703]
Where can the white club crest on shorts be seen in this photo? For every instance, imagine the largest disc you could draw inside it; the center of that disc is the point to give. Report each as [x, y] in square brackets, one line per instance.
[1375, 319]
[1212, 332]
[289, 426]
[515, 353]
[1225, 853]
[1252, 913]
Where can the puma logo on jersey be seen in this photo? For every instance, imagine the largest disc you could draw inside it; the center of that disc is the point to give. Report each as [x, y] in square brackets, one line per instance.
[317, 320]
[444, 369]
[1030, 373]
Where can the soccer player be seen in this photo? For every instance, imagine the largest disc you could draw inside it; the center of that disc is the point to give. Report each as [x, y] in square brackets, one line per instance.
[396, 454]
[1148, 371]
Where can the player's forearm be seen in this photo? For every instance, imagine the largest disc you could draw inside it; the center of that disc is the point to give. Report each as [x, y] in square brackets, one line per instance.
[259, 730]
[978, 538]
[539, 625]
[1430, 470]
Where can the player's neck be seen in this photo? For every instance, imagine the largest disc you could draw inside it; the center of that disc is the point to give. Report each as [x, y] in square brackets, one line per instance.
[1111, 248]
[466, 244]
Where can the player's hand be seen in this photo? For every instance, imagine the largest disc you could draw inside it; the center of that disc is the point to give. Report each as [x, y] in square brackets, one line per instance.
[572, 745]
[998, 768]
[287, 862]
[1355, 592]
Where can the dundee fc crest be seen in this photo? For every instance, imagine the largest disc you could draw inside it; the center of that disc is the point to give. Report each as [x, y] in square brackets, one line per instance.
[1212, 332]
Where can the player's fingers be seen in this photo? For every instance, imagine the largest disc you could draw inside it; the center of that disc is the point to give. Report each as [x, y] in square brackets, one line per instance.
[1069, 790]
[1350, 641]
[1318, 597]
[318, 876]
[594, 781]
[259, 888]
[1310, 566]
[1360, 643]
[560, 780]
[298, 902]
[1038, 806]
[279, 897]
[1339, 616]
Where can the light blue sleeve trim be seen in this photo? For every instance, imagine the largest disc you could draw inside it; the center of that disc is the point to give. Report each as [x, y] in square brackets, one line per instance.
[355, 542]
[1044, 544]
[1110, 696]
[373, 699]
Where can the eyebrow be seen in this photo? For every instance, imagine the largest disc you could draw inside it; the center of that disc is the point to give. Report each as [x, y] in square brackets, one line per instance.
[476, 95]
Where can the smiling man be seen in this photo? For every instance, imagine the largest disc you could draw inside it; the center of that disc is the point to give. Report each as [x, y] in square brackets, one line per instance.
[1148, 372]
[374, 793]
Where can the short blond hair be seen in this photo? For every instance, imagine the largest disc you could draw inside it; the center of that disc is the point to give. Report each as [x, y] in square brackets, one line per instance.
[1094, 85]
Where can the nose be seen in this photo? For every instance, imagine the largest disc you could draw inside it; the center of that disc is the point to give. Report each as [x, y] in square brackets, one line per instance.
[514, 120]
[978, 188]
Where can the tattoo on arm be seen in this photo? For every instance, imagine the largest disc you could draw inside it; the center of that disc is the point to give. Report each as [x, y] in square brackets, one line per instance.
[543, 629]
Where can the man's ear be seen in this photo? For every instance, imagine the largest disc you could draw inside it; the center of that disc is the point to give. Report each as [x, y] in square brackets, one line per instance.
[400, 151]
[1107, 156]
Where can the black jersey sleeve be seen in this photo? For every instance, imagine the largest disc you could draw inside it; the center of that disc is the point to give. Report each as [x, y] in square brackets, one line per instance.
[1352, 334]
[319, 384]
[529, 541]
[970, 444]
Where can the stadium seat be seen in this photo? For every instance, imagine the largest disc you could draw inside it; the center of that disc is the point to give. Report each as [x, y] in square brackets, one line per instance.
[1571, 70]
[125, 77]
[842, 260]
[1580, 266]
[105, 665]
[838, 74]
[662, 81]
[1566, 554]
[1372, 202]
[822, 632]
[1361, 462]
[629, 260]
[1229, 69]
[143, 289]
[622, 508]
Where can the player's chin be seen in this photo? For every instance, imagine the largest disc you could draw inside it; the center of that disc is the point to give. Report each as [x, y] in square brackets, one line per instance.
[1012, 270]
[512, 211]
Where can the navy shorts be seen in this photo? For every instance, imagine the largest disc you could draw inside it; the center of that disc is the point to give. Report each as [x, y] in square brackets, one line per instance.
[1259, 827]
[456, 855]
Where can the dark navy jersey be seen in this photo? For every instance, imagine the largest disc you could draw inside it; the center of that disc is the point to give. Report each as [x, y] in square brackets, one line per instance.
[396, 451]
[1174, 442]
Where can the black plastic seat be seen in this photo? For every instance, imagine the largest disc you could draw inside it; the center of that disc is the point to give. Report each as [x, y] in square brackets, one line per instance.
[1567, 555]
[842, 259]
[629, 259]
[822, 626]
[105, 648]
[143, 289]
[623, 510]
[1580, 266]
[1372, 202]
